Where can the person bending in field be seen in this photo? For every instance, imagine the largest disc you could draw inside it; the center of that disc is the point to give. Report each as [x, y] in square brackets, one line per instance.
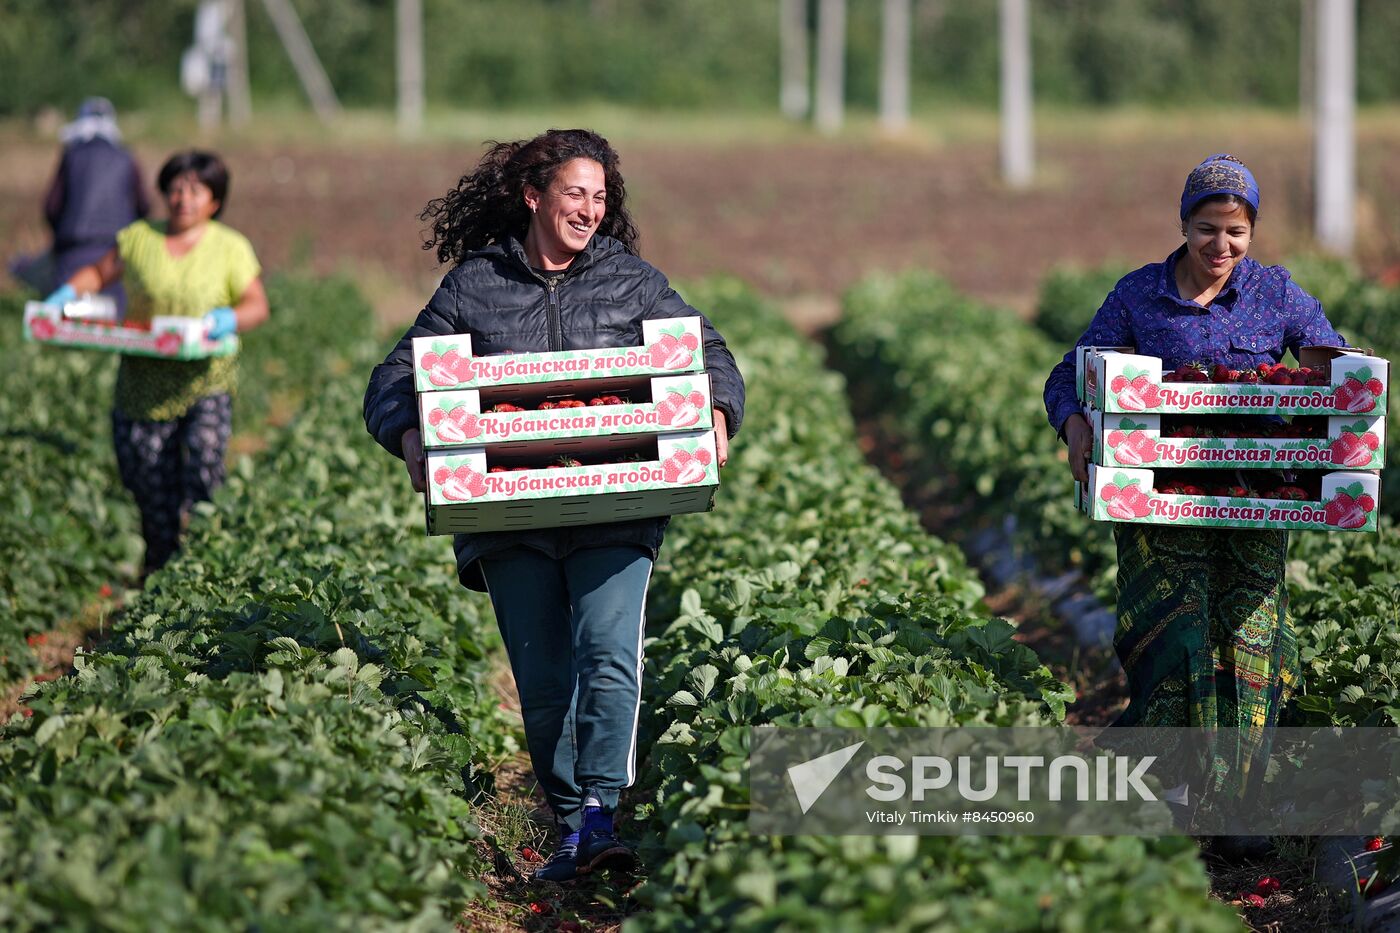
[172, 418]
[546, 260]
[96, 191]
[1203, 633]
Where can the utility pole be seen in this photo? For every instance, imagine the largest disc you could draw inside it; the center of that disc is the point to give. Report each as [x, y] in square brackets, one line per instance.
[308, 66]
[1307, 57]
[410, 62]
[1334, 142]
[894, 66]
[1017, 160]
[240, 94]
[831, 64]
[794, 96]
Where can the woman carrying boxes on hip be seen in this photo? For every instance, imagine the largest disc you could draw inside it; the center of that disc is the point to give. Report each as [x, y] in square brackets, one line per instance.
[172, 418]
[546, 260]
[1203, 630]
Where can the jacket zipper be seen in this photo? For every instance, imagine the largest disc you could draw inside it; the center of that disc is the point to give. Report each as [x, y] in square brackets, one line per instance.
[556, 334]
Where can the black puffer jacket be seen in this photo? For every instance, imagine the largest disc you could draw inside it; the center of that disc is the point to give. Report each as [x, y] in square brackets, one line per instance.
[600, 301]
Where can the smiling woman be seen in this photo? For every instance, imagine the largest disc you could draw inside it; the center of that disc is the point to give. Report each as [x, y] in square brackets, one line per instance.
[546, 259]
[1204, 633]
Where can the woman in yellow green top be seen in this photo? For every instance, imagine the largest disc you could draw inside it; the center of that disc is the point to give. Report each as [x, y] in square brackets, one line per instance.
[172, 418]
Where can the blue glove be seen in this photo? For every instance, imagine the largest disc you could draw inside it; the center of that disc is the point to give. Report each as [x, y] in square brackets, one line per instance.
[64, 294]
[220, 322]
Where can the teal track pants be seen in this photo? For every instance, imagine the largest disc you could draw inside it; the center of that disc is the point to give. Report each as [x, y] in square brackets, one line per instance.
[573, 630]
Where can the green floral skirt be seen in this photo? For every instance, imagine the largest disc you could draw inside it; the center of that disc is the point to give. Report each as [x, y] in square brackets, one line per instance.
[1204, 635]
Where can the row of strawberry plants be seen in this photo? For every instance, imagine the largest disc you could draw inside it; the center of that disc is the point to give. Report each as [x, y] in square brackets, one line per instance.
[976, 415]
[811, 597]
[962, 382]
[71, 534]
[288, 722]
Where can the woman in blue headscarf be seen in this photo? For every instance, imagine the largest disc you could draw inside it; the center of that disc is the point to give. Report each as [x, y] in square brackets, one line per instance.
[1203, 633]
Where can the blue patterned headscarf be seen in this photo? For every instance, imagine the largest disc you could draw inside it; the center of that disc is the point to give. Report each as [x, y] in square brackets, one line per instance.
[1219, 174]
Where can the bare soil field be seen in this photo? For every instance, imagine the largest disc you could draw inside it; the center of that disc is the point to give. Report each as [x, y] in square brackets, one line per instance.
[799, 217]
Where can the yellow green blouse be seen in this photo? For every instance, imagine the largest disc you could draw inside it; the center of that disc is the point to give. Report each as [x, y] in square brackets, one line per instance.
[216, 271]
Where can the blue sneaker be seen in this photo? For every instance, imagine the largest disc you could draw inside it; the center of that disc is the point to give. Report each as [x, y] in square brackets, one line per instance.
[599, 846]
[562, 866]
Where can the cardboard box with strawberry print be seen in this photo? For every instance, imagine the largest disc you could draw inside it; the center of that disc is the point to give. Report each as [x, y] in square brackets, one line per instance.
[671, 345]
[612, 409]
[1338, 381]
[465, 493]
[1347, 503]
[1081, 367]
[174, 338]
[1348, 443]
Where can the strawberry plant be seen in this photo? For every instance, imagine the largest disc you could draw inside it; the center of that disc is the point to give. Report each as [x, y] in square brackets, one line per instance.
[287, 724]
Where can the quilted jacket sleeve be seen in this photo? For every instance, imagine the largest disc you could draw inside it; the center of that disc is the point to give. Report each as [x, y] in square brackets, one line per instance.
[725, 379]
[390, 405]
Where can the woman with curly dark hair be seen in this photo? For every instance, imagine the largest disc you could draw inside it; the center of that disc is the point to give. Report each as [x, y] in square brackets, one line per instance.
[545, 258]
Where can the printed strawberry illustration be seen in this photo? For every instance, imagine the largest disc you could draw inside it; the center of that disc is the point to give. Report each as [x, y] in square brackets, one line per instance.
[168, 343]
[462, 484]
[1345, 511]
[435, 417]
[1139, 394]
[1351, 450]
[670, 353]
[703, 456]
[448, 368]
[42, 328]
[1119, 383]
[1126, 500]
[1144, 446]
[441, 475]
[440, 375]
[1121, 508]
[683, 468]
[1355, 394]
[679, 410]
[690, 341]
[466, 423]
[450, 432]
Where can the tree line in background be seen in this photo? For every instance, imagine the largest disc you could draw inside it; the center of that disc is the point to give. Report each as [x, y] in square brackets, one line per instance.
[706, 53]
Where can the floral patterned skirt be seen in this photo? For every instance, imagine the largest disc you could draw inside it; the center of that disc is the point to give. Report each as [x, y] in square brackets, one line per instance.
[1204, 635]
